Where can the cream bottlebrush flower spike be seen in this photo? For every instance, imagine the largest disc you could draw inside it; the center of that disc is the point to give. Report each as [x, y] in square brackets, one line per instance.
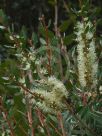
[53, 93]
[87, 60]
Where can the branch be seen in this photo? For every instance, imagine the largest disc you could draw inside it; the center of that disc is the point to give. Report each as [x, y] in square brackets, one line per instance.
[5, 116]
[42, 121]
[47, 45]
[30, 119]
[50, 123]
[61, 123]
[84, 125]
[57, 35]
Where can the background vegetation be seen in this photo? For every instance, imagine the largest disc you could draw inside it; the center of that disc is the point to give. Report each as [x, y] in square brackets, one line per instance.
[26, 27]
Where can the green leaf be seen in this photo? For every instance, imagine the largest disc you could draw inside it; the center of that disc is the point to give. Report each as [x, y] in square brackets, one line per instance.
[3, 18]
[54, 41]
[42, 41]
[68, 39]
[34, 38]
[52, 2]
[64, 26]
[43, 32]
[23, 33]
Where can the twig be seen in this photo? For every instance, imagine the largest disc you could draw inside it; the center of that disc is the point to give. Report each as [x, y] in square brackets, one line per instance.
[56, 16]
[50, 123]
[56, 130]
[66, 7]
[42, 121]
[30, 119]
[80, 3]
[61, 123]
[57, 35]
[14, 120]
[28, 91]
[71, 109]
[47, 45]
[29, 73]
[29, 109]
[5, 116]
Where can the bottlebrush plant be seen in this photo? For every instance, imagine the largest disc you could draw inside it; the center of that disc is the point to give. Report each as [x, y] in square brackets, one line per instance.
[47, 89]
